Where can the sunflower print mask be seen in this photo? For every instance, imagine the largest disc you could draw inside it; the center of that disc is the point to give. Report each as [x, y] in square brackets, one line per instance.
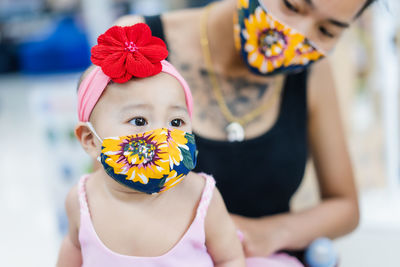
[149, 162]
[268, 46]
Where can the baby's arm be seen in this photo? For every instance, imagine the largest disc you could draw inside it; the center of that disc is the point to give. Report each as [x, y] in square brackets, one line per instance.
[221, 237]
[70, 252]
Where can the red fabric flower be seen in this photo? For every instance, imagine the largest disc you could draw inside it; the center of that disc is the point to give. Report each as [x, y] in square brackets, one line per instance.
[126, 52]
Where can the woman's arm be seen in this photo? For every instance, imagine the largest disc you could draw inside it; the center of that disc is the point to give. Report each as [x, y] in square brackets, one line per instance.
[70, 251]
[337, 214]
[221, 237]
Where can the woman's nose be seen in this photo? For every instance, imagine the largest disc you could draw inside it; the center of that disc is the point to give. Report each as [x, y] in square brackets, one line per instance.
[305, 26]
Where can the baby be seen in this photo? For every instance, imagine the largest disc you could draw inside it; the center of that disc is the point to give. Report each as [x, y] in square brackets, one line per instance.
[143, 207]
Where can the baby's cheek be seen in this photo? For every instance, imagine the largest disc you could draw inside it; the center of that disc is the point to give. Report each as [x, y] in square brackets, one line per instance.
[187, 127]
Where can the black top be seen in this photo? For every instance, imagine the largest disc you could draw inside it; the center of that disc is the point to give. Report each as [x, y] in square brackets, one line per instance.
[258, 177]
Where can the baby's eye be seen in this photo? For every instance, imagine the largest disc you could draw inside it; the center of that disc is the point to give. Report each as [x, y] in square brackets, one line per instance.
[177, 123]
[139, 121]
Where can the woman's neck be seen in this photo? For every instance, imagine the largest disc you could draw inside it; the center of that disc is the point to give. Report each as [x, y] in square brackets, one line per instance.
[221, 37]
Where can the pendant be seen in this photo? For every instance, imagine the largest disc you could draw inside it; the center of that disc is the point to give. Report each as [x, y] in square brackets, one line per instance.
[235, 132]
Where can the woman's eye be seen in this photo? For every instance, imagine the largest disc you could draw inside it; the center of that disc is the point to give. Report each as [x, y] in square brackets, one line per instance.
[325, 32]
[138, 121]
[290, 6]
[177, 123]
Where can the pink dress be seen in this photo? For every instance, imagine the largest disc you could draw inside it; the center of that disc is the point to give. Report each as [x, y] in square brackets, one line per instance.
[189, 251]
[275, 260]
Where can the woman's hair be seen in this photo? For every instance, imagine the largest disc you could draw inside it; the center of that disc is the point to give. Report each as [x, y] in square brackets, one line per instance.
[366, 5]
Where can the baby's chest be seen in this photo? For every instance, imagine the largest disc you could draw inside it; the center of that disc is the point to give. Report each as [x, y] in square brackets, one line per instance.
[142, 233]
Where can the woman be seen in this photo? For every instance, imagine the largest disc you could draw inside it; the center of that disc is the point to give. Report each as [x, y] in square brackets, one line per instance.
[261, 108]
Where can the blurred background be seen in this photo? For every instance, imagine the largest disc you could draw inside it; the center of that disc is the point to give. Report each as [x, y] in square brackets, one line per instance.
[45, 44]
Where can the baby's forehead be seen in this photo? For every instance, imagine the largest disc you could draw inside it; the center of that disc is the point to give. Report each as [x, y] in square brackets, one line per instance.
[161, 89]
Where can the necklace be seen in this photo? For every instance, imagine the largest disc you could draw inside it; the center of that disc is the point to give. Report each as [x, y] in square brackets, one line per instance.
[235, 127]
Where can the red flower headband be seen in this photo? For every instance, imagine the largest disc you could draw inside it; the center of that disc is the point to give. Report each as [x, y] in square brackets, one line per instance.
[123, 53]
[126, 52]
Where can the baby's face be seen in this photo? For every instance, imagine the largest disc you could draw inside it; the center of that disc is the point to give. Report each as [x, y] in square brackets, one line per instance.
[141, 105]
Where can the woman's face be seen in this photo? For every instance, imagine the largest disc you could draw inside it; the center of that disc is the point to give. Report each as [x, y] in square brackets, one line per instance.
[321, 21]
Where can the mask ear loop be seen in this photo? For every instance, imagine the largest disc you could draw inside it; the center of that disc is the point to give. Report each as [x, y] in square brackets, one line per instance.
[95, 134]
[93, 131]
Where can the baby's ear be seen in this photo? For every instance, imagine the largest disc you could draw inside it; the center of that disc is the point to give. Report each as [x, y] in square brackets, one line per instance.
[87, 139]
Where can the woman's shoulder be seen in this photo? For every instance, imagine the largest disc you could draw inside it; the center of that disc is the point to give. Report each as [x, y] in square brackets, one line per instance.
[320, 84]
[172, 17]
[180, 29]
[129, 20]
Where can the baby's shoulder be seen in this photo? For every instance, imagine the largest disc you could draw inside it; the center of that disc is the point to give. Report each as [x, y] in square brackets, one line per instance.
[194, 184]
[72, 206]
[194, 181]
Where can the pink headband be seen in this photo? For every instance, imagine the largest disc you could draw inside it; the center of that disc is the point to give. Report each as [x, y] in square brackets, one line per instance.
[96, 81]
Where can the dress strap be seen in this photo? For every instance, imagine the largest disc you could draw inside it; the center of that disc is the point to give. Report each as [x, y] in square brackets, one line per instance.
[206, 196]
[294, 101]
[156, 26]
[82, 194]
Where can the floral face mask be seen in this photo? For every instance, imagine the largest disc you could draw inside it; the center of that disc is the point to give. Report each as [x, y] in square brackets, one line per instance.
[149, 162]
[268, 46]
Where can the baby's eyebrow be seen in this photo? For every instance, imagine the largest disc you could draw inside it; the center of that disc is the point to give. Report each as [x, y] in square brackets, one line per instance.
[183, 108]
[135, 106]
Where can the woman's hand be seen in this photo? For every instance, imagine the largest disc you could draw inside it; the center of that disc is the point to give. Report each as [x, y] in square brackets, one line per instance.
[262, 236]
